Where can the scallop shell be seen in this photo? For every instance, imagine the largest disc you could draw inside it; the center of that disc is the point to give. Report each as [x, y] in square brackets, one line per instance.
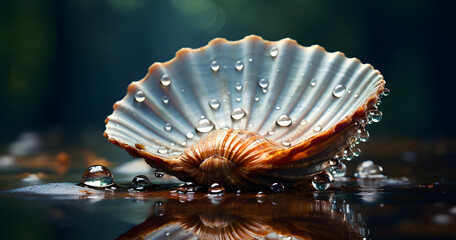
[247, 113]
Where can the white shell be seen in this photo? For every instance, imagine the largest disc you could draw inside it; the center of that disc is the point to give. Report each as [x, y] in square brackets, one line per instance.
[175, 109]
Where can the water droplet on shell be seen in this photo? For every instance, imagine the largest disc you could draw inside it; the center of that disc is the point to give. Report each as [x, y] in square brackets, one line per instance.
[386, 92]
[263, 83]
[162, 150]
[214, 103]
[339, 91]
[238, 86]
[97, 176]
[189, 135]
[338, 170]
[215, 66]
[165, 99]
[165, 80]
[204, 126]
[238, 113]
[168, 127]
[274, 52]
[283, 120]
[313, 82]
[317, 128]
[140, 96]
[286, 142]
[239, 65]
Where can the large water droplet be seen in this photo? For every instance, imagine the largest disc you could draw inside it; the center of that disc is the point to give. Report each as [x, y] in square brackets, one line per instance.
[369, 169]
[338, 170]
[204, 126]
[277, 187]
[159, 173]
[283, 120]
[238, 113]
[239, 65]
[140, 96]
[215, 66]
[274, 52]
[317, 128]
[165, 80]
[313, 82]
[189, 135]
[263, 83]
[97, 176]
[214, 103]
[339, 91]
[217, 189]
[165, 99]
[238, 86]
[321, 181]
[141, 182]
[168, 127]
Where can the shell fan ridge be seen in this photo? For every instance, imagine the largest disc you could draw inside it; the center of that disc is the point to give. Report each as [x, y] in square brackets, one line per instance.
[248, 113]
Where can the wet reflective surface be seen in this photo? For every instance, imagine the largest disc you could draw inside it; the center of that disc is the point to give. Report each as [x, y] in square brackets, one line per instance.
[414, 198]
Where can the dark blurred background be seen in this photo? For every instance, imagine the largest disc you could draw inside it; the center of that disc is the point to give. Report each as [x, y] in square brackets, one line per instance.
[63, 63]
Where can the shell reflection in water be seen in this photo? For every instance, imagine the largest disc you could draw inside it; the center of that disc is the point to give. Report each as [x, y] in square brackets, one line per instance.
[282, 216]
[247, 113]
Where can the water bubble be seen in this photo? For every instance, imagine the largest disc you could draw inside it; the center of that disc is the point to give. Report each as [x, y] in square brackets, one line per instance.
[165, 80]
[141, 182]
[338, 170]
[239, 65]
[277, 187]
[286, 142]
[165, 99]
[376, 116]
[313, 82]
[238, 86]
[168, 127]
[356, 151]
[162, 150]
[204, 126]
[159, 173]
[317, 128]
[274, 52]
[140, 96]
[260, 197]
[191, 187]
[368, 169]
[98, 176]
[215, 66]
[263, 83]
[217, 189]
[189, 135]
[214, 103]
[238, 192]
[238, 113]
[363, 134]
[339, 91]
[321, 181]
[283, 120]
[348, 154]
[303, 122]
[386, 92]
